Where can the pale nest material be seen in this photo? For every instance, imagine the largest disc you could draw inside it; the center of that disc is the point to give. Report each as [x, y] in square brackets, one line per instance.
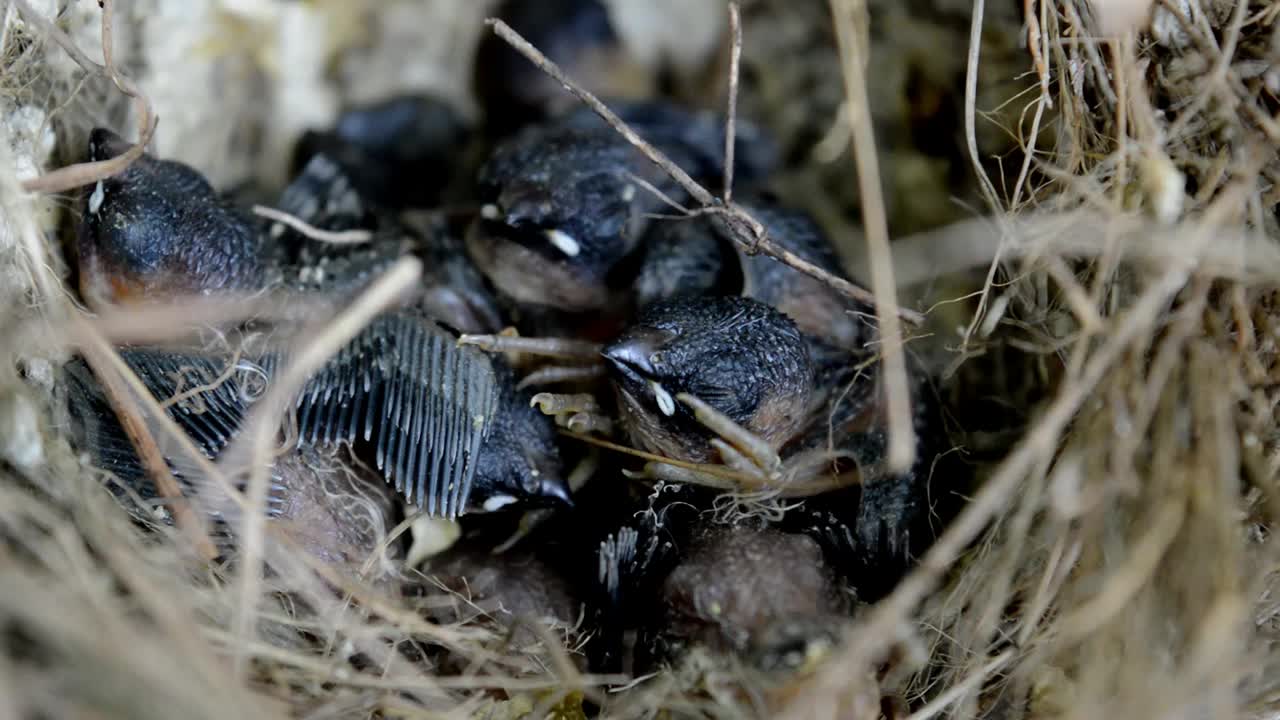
[1114, 381]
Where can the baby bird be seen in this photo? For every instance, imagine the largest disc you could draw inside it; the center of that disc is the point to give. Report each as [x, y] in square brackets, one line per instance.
[398, 153]
[749, 589]
[446, 428]
[691, 256]
[509, 588]
[148, 233]
[754, 592]
[741, 357]
[565, 201]
[157, 215]
[815, 418]
[421, 408]
[335, 509]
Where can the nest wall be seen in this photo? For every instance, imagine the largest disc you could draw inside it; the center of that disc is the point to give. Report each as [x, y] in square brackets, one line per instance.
[1093, 229]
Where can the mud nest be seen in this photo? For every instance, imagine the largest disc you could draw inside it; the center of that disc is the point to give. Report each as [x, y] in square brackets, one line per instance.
[1083, 200]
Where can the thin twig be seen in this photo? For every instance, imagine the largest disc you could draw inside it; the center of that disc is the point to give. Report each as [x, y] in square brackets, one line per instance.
[87, 173]
[654, 191]
[971, 144]
[902, 444]
[145, 323]
[354, 236]
[106, 363]
[1042, 102]
[731, 119]
[1033, 45]
[1240, 254]
[739, 224]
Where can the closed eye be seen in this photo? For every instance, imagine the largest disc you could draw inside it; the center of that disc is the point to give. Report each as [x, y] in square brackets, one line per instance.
[714, 394]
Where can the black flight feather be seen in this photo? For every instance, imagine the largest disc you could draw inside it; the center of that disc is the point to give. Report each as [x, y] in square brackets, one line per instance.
[402, 386]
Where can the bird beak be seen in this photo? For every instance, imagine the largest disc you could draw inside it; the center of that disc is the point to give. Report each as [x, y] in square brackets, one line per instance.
[522, 206]
[555, 492]
[105, 144]
[632, 352]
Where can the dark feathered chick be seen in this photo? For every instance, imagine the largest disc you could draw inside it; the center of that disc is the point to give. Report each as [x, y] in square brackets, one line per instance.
[738, 355]
[577, 35]
[890, 519]
[447, 429]
[677, 578]
[158, 228]
[803, 397]
[521, 457]
[425, 406]
[336, 509]
[756, 592]
[560, 213]
[455, 434]
[691, 256]
[563, 208]
[399, 153]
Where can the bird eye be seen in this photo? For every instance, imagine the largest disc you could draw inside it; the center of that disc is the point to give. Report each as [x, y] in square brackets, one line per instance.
[530, 482]
[656, 359]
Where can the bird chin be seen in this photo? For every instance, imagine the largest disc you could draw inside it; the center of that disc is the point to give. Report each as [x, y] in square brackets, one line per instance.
[101, 288]
[530, 277]
[653, 431]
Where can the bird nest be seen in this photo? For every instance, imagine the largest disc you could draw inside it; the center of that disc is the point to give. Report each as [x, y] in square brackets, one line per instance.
[1083, 199]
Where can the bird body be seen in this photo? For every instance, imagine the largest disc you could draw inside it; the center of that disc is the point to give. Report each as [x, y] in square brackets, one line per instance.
[713, 356]
[423, 406]
[402, 387]
[566, 201]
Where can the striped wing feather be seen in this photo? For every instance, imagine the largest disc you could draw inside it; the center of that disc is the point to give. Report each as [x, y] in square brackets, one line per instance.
[425, 404]
[198, 394]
